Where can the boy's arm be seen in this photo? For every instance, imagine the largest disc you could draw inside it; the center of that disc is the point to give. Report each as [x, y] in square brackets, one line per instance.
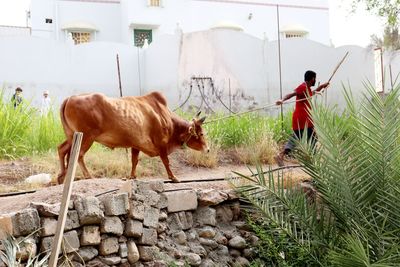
[286, 97]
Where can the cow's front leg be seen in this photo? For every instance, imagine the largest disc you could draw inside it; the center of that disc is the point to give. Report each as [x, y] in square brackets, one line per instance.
[165, 160]
[135, 160]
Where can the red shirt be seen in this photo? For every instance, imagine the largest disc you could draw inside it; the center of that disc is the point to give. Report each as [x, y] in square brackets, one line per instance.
[301, 117]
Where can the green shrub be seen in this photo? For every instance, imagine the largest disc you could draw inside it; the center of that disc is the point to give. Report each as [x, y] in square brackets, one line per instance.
[350, 215]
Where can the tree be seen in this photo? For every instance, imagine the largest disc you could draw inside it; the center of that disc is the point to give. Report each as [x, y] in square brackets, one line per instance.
[389, 9]
[390, 40]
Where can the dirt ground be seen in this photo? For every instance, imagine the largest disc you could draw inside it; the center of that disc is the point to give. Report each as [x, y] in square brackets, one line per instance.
[13, 173]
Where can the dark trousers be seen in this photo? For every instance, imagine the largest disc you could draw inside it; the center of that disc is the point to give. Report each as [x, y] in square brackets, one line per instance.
[297, 135]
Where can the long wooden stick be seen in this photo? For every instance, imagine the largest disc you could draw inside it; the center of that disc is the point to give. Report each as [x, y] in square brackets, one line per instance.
[55, 250]
[338, 65]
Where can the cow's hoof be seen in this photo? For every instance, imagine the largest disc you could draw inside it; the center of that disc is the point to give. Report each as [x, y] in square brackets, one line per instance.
[174, 180]
[60, 178]
[132, 178]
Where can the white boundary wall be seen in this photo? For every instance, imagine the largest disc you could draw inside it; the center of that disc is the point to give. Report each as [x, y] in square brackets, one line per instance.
[248, 63]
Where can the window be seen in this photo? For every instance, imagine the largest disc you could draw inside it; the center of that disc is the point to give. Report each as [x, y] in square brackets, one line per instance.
[294, 35]
[154, 3]
[80, 37]
[140, 35]
[49, 21]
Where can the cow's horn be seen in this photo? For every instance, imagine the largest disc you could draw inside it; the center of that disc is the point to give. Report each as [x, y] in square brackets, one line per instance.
[202, 119]
[198, 114]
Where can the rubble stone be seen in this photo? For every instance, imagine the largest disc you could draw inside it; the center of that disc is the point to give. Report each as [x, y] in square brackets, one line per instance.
[90, 235]
[109, 246]
[115, 205]
[89, 211]
[133, 228]
[112, 225]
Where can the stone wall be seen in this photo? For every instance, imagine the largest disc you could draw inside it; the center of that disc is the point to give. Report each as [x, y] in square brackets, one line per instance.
[141, 225]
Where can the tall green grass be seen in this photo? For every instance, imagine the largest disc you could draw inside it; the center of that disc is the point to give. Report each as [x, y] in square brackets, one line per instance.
[24, 132]
[247, 129]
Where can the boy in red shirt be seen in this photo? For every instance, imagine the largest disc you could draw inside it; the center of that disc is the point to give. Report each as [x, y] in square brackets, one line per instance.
[301, 120]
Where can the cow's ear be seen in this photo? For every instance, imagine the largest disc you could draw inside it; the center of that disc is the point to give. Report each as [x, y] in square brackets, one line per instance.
[191, 129]
[201, 121]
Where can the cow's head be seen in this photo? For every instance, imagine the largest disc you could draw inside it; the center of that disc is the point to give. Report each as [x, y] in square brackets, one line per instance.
[196, 139]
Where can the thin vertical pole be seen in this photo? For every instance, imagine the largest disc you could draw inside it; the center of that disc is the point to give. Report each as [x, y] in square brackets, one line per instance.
[391, 77]
[280, 63]
[119, 77]
[76, 146]
[138, 63]
[230, 95]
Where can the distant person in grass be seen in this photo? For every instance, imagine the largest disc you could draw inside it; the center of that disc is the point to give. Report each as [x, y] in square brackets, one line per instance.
[17, 99]
[46, 104]
[301, 120]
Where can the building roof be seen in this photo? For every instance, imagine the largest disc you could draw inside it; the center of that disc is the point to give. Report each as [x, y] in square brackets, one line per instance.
[227, 25]
[79, 25]
[294, 28]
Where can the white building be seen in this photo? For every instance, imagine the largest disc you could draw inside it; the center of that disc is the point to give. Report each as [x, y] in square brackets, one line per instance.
[133, 21]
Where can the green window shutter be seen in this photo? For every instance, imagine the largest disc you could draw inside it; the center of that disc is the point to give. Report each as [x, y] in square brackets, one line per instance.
[140, 35]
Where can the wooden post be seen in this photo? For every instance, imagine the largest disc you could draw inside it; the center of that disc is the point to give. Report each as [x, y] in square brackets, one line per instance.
[119, 77]
[76, 146]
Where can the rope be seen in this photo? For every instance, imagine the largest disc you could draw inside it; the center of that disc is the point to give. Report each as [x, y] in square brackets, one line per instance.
[260, 108]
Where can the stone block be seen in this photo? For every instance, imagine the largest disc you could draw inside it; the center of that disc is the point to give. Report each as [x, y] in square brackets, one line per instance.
[90, 235]
[133, 228]
[133, 252]
[180, 221]
[151, 216]
[115, 205]
[123, 250]
[48, 225]
[148, 253]
[151, 198]
[181, 200]
[71, 241]
[207, 232]
[149, 237]
[110, 261]
[154, 185]
[224, 214]
[109, 246]
[86, 254]
[136, 210]
[89, 211]
[193, 259]
[237, 242]
[72, 221]
[210, 197]
[205, 216]
[46, 210]
[162, 202]
[112, 225]
[25, 222]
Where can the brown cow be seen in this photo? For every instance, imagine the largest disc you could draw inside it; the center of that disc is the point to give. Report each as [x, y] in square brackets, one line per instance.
[141, 123]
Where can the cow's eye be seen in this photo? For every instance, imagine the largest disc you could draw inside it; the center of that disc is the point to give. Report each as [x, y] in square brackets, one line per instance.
[201, 134]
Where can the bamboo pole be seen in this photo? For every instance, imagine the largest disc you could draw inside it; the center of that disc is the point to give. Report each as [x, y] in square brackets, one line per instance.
[76, 146]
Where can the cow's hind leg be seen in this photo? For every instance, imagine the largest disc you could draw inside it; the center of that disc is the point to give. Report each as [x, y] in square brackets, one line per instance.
[63, 150]
[135, 160]
[86, 144]
[165, 160]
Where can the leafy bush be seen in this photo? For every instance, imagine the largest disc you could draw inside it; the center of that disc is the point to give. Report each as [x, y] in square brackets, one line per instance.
[353, 219]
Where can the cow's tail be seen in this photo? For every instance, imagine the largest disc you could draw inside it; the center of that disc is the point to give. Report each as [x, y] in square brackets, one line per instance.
[64, 123]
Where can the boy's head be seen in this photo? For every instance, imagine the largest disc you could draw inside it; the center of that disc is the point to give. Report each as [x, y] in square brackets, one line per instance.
[18, 90]
[310, 77]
